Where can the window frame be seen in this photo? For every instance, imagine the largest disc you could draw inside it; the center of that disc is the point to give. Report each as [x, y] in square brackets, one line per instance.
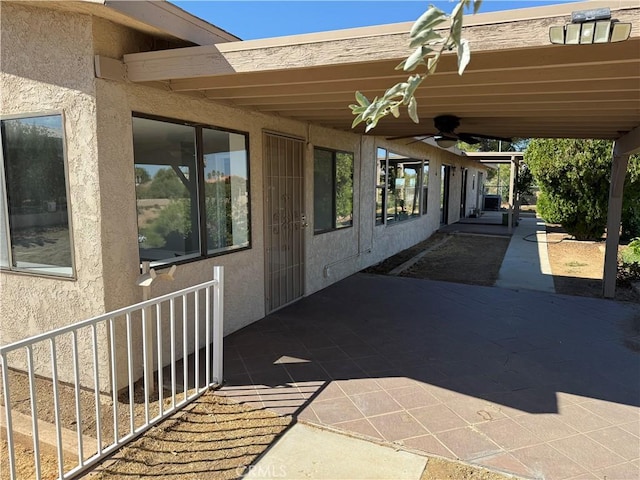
[334, 191]
[382, 165]
[204, 253]
[4, 212]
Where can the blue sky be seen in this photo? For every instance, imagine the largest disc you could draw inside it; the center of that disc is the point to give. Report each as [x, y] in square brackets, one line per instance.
[268, 18]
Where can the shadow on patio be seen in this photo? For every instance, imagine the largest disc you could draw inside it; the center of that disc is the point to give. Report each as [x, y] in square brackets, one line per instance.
[453, 370]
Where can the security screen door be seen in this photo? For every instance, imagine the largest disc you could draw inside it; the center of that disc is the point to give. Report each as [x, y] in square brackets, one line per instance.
[285, 220]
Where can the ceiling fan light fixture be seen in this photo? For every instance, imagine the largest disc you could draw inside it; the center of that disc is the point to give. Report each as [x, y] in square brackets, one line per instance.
[446, 142]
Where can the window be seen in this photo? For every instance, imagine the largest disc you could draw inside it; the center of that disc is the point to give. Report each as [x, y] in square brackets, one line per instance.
[332, 190]
[425, 186]
[34, 223]
[381, 185]
[398, 188]
[191, 188]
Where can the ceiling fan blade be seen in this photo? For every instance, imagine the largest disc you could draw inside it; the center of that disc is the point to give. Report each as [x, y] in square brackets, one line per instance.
[424, 135]
[488, 137]
[468, 138]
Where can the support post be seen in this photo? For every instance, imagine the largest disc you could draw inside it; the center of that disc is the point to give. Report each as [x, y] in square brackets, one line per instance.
[614, 216]
[218, 324]
[512, 189]
[148, 337]
[626, 145]
[516, 203]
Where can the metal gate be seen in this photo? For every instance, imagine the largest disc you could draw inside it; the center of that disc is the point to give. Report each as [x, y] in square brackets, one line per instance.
[284, 220]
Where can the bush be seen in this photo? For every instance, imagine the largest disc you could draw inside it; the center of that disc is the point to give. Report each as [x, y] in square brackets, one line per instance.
[629, 263]
[573, 176]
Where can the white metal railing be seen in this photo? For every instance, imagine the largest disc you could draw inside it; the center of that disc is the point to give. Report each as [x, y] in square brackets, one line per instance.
[99, 344]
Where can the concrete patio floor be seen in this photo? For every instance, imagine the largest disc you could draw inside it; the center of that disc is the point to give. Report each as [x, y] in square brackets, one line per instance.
[535, 384]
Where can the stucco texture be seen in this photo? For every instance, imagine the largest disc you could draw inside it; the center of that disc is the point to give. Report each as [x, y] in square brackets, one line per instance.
[53, 70]
[46, 64]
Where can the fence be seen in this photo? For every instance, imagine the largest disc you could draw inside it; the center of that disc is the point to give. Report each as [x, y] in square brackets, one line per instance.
[91, 407]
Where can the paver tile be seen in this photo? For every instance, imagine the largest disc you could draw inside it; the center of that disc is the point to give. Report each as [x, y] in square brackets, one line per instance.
[616, 439]
[623, 471]
[586, 452]
[413, 397]
[372, 364]
[475, 410]
[546, 462]
[581, 419]
[308, 415]
[397, 426]
[508, 434]
[327, 353]
[428, 444]
[505, 462]
[438, 418]
[632, 427]
[361, 426]
[395, 381]
[329, 391]
[336, 410]
[614, 413]
[356, 386]
[468, 444]
[375, 403]
[546, 426]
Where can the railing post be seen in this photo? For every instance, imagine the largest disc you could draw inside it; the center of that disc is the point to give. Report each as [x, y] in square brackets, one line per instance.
[7, 405]
[218, 324]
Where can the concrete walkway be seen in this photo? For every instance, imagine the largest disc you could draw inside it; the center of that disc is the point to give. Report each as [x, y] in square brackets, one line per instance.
[307, 452]
[526, 263]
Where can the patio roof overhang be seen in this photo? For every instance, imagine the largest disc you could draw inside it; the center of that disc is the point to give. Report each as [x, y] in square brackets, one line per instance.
[517, 84]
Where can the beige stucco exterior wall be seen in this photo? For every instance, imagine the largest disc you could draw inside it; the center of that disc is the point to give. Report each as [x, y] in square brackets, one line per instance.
[47, 67]
[59, 76]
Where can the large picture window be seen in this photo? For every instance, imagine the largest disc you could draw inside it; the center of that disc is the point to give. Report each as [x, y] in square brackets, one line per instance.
[399, 187]
[34, 220]
[191, 188]
[332, 190]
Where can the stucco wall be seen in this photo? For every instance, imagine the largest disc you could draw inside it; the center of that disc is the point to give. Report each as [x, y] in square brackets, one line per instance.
[47, 62]
[58, 75]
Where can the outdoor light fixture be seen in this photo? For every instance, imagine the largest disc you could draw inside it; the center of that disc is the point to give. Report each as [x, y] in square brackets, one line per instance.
[590, 26]
[446, 142]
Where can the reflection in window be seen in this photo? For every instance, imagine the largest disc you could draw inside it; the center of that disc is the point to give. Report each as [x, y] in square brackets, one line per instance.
[425, 186]
[398, 188]
[381, 185]
[333, 190]
[192, 194]
[34, 223]
[226, 190]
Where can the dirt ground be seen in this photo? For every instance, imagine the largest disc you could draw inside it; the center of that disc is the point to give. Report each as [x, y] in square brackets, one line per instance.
[461, 258]
[577, 266]
[470, 259]
[213, 438]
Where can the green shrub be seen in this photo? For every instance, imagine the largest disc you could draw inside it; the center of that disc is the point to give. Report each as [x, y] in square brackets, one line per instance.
[573, 176]
[629, 263]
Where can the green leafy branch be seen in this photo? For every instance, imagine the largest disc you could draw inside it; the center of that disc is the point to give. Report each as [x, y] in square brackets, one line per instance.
[429, 46]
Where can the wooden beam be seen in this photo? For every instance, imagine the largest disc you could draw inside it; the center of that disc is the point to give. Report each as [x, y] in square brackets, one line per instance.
[109, 68]
[487, 100]
[614, 216]
[625, 146]
[627, 70]
[629, 143]
[545, 57]
[236, 57]
[338, 93]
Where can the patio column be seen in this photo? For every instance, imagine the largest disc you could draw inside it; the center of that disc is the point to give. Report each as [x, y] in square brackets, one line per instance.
[512, 190]
[622, 149]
